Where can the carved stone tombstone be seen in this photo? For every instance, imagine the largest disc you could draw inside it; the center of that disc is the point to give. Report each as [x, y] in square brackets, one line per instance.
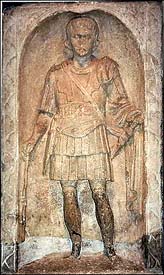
[81, 139]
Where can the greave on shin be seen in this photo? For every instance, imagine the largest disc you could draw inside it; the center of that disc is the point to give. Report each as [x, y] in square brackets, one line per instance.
[104, 215]
[72, 215]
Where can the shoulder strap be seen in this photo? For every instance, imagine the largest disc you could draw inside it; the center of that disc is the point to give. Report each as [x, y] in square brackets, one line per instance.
[85, 92]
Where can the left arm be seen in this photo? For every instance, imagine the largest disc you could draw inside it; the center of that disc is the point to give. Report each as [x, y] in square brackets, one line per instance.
[121, 114]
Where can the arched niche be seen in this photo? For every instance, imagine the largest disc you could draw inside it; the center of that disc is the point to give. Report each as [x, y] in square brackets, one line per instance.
[43, 48]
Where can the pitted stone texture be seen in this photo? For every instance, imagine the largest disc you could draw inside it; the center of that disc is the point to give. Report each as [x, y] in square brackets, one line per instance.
[32, 249]
[97, 264]
[144, 20]
[10, 130]
[122, 47]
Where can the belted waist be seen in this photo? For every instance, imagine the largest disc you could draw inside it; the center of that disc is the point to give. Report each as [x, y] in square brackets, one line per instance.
[76, 109]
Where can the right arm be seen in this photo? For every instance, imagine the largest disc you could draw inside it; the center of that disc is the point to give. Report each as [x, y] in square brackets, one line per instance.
[46, 111]
[40, 128]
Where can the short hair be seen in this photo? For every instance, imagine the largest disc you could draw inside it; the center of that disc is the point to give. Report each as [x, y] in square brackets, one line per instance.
[88, 22]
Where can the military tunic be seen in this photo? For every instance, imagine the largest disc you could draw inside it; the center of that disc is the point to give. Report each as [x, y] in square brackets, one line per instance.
[77, 146]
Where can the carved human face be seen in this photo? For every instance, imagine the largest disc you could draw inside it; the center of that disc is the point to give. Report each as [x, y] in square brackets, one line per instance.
[82, 37]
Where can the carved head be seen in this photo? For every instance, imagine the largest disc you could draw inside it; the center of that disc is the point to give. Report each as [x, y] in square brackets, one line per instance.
[82, 35]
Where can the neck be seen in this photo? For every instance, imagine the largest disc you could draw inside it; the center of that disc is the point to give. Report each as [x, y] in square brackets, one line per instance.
[82, 61]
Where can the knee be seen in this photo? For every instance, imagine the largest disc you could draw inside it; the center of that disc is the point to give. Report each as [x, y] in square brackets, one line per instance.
[68, 189]
[98, 188]
[70, 197]
[69, 204]
[99, 195]
[69, 194]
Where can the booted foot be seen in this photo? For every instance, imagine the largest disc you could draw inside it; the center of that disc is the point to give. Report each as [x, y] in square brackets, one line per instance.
[109, 251]
[76, 248]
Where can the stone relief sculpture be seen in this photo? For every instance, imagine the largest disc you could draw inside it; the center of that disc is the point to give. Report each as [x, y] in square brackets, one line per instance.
[129, 36]
[84, 103]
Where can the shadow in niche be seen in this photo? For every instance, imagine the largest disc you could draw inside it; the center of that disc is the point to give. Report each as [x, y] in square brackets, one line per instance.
[43, 48]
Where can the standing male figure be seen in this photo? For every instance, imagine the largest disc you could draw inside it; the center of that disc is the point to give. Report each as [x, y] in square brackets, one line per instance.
[73, 113]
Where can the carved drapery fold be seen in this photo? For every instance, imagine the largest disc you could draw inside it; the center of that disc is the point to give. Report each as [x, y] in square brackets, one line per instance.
[24, 28]
[134, 174]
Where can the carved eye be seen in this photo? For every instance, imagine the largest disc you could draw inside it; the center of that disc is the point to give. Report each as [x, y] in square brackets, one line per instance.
[77, 36]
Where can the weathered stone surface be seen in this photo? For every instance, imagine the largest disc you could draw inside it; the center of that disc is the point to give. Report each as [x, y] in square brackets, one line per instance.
[152, 250]
[32, 79]
[9, 258]
[89, 264]
[32, 249]
[33, 41]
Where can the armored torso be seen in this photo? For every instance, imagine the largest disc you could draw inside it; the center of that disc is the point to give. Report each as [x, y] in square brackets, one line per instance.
[76, 115]
[78, 146]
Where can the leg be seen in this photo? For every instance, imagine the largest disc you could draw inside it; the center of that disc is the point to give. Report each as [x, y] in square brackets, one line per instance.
[72, 215]
[104, 215]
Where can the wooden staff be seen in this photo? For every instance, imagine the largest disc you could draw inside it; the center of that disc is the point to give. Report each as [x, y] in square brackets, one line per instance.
[24, 167]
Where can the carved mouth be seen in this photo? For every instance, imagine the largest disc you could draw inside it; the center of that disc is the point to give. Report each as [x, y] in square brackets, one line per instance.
[82, 50]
